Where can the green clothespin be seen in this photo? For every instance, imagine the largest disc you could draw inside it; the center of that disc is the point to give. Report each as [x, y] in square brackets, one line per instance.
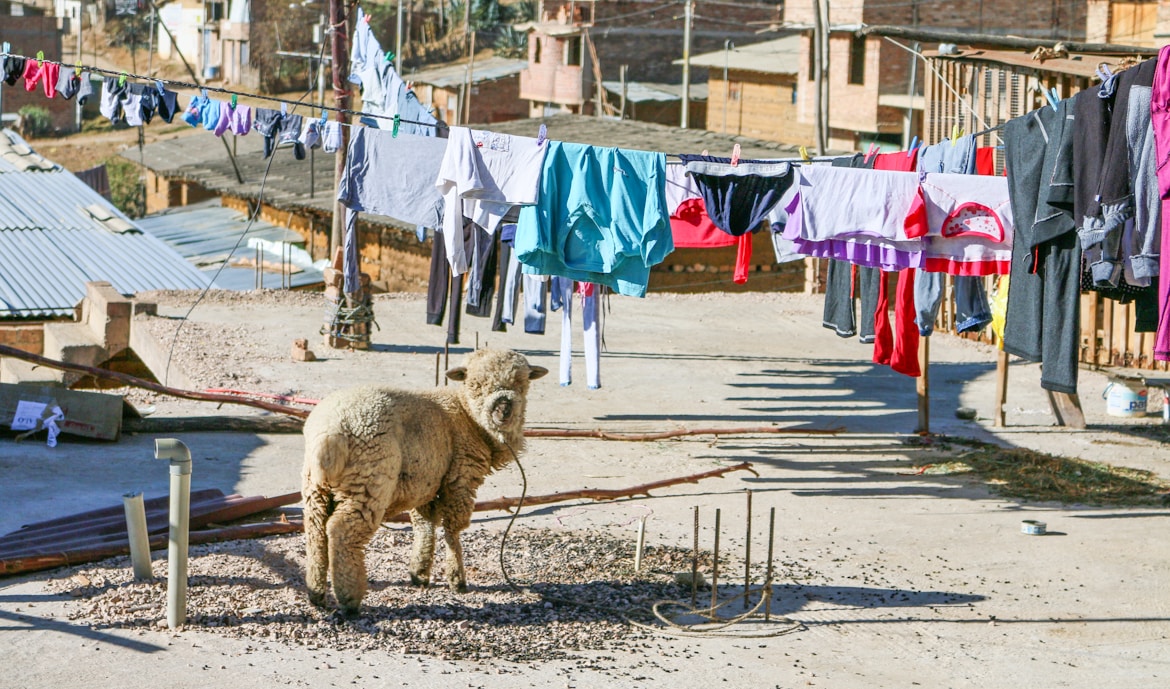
[394, 132]
[122, 79]
[40, 56]
[389, 56]
[233, 101]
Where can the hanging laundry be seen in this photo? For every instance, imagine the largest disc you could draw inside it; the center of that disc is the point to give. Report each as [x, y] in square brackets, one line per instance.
[289, 134]
[896, 343]
[601, 217]
[441, 285]
[1140, 237]
[1043, 313]
[267, 123]
[394, 176]
[13, 69]
[482, 175]
[481, 274]
[1160, 119]
[68, 83]
[845, 284]
[868, 218]
[237, 119]
[311, 134]
[209, 113]
[193, 115]
[167, 100]
[738, 197]
[692, 228]
[47, 73]
[331, 137]
[970, 225]
[590, 326]
[113, 89]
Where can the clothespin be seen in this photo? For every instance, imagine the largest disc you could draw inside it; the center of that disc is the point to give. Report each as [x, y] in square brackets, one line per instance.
[233, 101]
[40, 56]
[735, 155]
[956, 132]
[122, 79]
[397, 120]
[203, 92]
[704, 152]
[389, 56]
[1055, 95]
[870, 152]
[5, 48]
[324, 117]
[77, 67]
[804, 155]
[913, 146]
[1050, 96]
[542, 135]
[1103, 71]
[284, 108]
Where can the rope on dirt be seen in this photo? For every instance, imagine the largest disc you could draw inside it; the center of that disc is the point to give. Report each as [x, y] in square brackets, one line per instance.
[712, 628]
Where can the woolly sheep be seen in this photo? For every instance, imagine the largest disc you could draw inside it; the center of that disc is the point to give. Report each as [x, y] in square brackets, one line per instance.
[374, 452]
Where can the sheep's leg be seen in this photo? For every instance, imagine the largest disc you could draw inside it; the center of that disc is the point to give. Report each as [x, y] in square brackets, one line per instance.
[318, 505]
[349, 530]
[456, 578]
[424, 548]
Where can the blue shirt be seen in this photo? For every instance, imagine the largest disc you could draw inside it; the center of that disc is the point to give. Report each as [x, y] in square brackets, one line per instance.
[600, 217]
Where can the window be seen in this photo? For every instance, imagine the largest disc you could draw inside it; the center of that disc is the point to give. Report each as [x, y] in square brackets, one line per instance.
[857, 60]
[812, 60]
[573, 51]
[536, 50]
[215, 11]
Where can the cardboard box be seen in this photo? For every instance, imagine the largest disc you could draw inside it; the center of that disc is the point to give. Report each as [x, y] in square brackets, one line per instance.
[87, 414]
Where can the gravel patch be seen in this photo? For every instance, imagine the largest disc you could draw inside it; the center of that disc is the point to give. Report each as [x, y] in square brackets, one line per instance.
[255, 590]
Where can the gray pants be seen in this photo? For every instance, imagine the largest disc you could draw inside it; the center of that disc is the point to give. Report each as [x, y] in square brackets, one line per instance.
[972, 311]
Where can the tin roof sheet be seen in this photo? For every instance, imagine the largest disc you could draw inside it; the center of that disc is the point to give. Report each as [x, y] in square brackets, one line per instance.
[483, 70]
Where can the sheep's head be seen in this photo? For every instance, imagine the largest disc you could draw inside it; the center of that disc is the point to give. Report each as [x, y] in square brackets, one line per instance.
[495, 390]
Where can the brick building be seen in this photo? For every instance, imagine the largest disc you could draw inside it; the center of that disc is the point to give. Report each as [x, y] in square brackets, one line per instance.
[869, 77]
[753, 90]
[28, 35]
[495, 90]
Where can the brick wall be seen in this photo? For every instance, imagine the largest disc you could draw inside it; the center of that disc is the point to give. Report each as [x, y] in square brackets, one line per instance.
[1097, 21]
[491, 101]
[163, 193]
[1065, 20]
[760, 106]
[25, 337]
[27, 36]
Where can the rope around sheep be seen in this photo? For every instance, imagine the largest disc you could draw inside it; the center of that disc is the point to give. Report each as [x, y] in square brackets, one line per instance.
[702, 629]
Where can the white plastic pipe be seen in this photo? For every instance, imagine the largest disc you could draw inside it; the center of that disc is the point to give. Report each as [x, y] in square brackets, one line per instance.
[136, 532]
[180, 516]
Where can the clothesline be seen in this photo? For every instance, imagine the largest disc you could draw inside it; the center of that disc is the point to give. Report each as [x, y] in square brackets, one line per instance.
[185, 84]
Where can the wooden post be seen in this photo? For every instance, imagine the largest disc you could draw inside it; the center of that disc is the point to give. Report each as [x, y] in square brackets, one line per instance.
[339, 24]
[999, 414]
[923, 386]
[1067, 409]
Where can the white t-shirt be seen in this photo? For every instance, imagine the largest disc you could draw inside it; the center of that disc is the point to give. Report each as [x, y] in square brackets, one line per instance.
[482, 176]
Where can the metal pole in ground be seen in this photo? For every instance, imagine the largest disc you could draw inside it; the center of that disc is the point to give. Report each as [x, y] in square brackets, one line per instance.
[715, 566]
[768, 578]
[695, 563]
[747, 557]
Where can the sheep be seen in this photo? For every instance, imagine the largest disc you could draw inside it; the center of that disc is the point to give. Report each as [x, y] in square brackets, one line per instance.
[374, 452]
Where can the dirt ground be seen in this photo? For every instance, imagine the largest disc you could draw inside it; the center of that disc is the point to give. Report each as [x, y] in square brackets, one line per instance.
[886, 577]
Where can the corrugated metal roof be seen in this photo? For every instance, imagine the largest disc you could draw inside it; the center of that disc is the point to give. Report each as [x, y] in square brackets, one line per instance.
[56, 234]
[781, 56]
[483, 70]
[644, 91]
[206, 234]
[17, 156]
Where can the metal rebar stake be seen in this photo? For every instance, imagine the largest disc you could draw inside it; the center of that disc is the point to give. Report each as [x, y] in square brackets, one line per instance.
[438, 366]
[695, 563]
[747, 555]
[768, 580]
[715, 566]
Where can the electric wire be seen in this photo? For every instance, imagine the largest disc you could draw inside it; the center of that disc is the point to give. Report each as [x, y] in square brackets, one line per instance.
[229, 92]
[247, 228]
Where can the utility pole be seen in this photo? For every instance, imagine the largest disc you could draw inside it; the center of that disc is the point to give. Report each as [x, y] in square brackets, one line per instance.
[686, 76]
[820, 49]
[398, 41]
[338, 24]
[80, 19]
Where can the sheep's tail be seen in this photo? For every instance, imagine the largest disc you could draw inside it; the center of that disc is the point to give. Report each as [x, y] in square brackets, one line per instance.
[325, 457]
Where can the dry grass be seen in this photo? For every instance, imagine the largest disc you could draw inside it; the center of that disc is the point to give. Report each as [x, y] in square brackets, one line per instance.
[1037, 476]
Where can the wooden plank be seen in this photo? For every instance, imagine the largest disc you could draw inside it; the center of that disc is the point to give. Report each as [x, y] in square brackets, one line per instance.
[1107, 345]
[1067, 409]
[1089, 327]
[999, 414]
[922, 384]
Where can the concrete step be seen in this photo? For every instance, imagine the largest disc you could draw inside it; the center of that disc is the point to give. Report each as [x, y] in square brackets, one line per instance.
[20, 371]
[73, 343]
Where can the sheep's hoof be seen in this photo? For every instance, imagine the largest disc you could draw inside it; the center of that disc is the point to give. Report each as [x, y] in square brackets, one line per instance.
[423, 582]
[317, 598]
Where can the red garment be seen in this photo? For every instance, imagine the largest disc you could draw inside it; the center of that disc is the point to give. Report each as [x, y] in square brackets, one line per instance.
[985, 161]
[47, 72]
[897, 346]
[898, 161]
[692, 228]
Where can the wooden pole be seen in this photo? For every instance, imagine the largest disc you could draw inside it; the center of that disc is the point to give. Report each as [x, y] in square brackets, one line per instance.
[999, 414]
[922, 384]
[339, 25]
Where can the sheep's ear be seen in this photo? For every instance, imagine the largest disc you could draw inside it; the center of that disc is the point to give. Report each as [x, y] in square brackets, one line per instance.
[458, 373]
[535, 372]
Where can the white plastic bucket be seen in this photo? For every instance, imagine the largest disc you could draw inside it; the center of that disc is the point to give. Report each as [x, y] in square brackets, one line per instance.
[1125, 398]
